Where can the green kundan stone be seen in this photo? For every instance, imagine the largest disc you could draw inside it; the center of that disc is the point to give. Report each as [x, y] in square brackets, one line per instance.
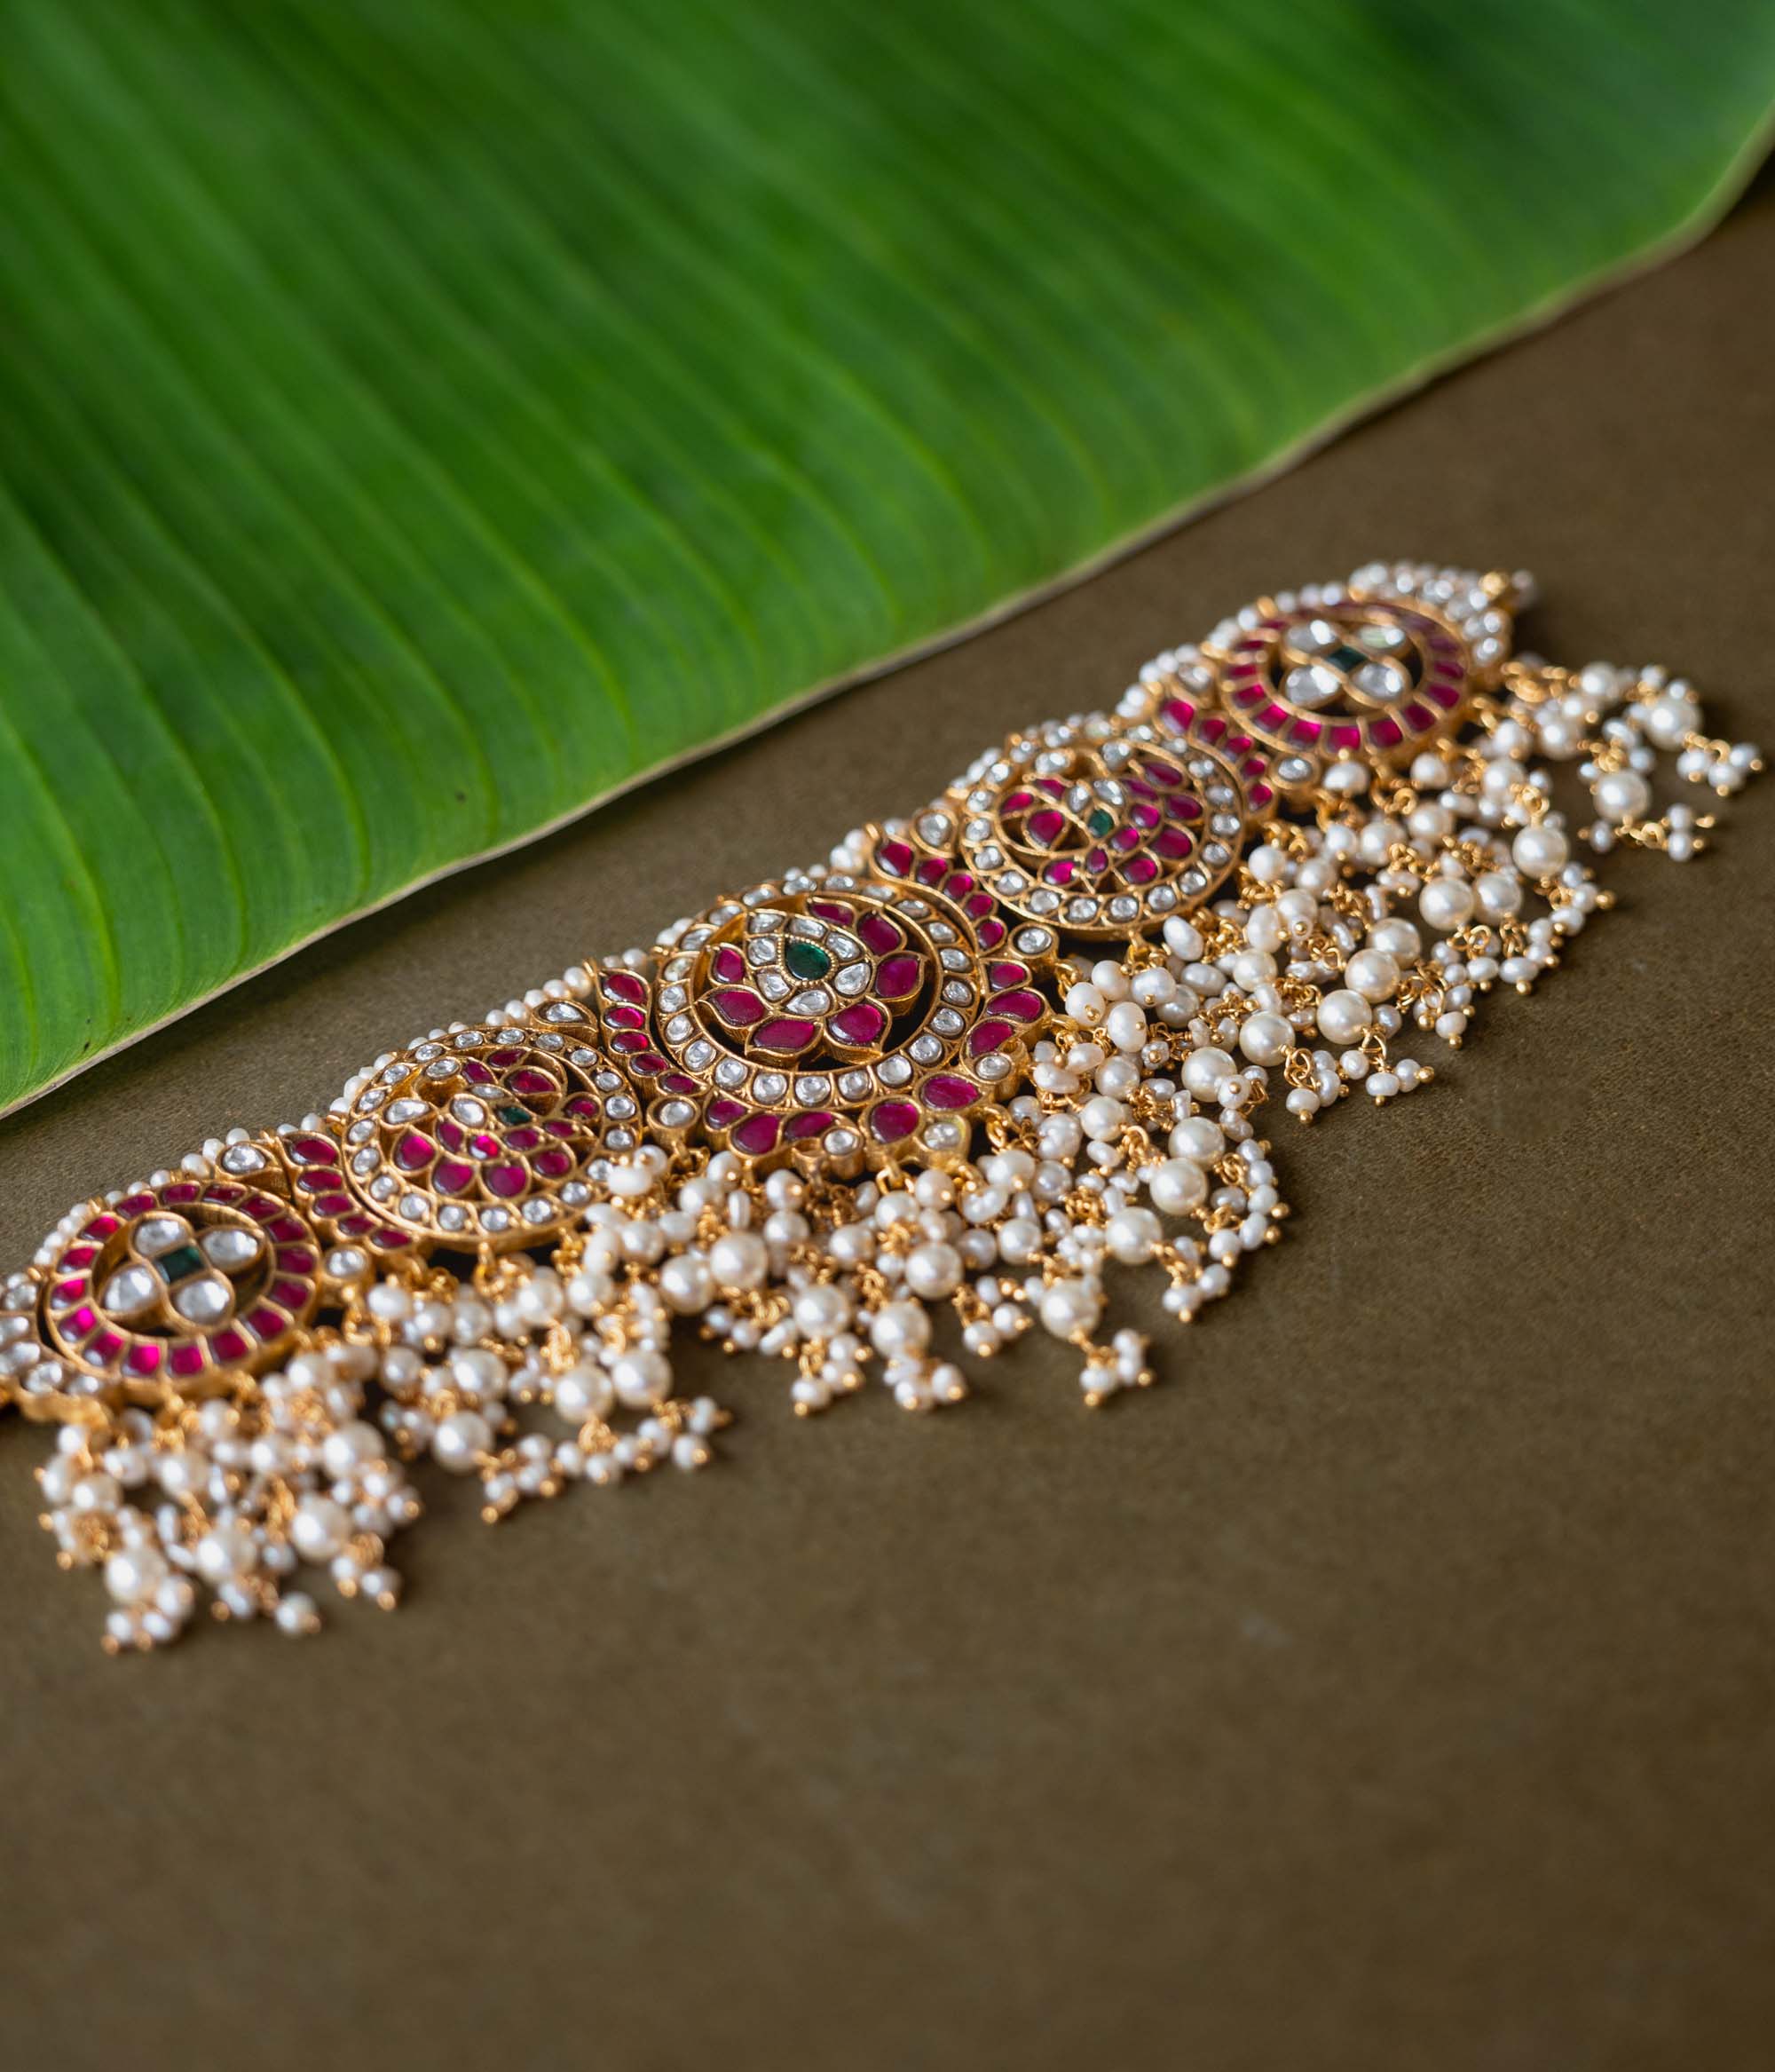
[806, 959]
[175, 1265]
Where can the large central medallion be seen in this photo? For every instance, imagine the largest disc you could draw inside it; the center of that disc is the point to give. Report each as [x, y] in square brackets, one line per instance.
[849, 1019]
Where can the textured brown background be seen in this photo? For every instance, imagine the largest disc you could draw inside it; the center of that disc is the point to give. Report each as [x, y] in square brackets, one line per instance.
[1393, 1688]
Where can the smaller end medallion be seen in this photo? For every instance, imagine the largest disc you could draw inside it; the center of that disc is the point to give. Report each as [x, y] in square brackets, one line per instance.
[1369, 673]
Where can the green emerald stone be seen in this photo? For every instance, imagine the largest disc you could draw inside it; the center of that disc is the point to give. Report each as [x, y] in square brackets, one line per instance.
[512, 1115]
[806, 959]
[181, 1261]
[1101, 822]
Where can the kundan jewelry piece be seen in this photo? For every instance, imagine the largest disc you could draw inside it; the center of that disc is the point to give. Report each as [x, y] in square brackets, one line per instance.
[971, 1061]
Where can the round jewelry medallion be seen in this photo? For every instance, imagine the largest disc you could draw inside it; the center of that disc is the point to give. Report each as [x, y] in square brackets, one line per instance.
[844, 1018]
[478, 1139]
[1343, 674]
[180, 1288]
[1104, 836]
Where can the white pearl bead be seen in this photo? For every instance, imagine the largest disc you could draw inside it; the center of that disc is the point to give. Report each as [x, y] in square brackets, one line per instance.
[687, 1284]
[1070, 1307]
[1265, 1038]
[933, 1271]
[224, 1553]
[583, 1391]
[1131, 1234]
[346, 1450]
[739, 1260]
[1397, 936]
[1499, 893]
[1666, 720]
[134, 1573]
[1197, 1138]
[1109, 979]
[1540, 850]
[822, 1310]
[1374, 974]
[640, 1379]
[1177, 1186]
[459, 1439]
[1125, 1024]
[1103, 1120]
[1297, 911]
[1264, 929]
[319, 1528]
[1183, 938]
[1344, 1015]
[1447, 904]
[1085, 1004]
[1267, 864]
[900, 1330]
[1621, 795]
[1204, 1070]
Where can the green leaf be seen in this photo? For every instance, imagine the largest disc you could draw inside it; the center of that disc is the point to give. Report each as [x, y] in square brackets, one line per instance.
[417, 422]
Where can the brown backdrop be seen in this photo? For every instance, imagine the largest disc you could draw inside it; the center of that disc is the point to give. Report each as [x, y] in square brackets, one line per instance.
[1392, 1688]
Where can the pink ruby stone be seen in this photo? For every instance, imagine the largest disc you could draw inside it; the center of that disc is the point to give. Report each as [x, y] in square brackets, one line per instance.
[554, 1165]
[297, 1259]
[522, 1139]
[933, 871]
[476, 1073]
[485, 1146]
[1147, 817]
[292, 1294]
[70, 1290]
[724, 1113]
[728, 965]
[1447, 695]
[268, 1323]
[1052, 786]
[413, 1151]
[1212, 728]
[144, 1359]
[107, 1345]
[1097, 861]
[890, 1120]
[186, 1190]
[946, 1090]
[619, 1017]
[1021, 1006]
[80, 1255]
[1047, 825]
[229, 1345]
[958, 883]
[1059, 873]
[979, 904]
[1178, 712]
[262, 1205]
[1005, 973]
[991, 933]
[1184, 809]
[582, 1104]
[861, 1023]
[786, 1034]
[137, 1205]
[313, 1150]
[1124, 839]
[895, 857]
[1166, 775]
[82, 1320]
[896, 977]
[1017, 801]
[286, 1230]
[534, 1082]
[1306, 731]
[629, 1040]
[1173, 842]
[739, 1006]
[986, 1036]
[880, 933]
[556, 1125]
[1261, 794]
[625, 985]
[186, 1359]
[1140, 870]
[453, 1175]
[648, 1063]
[679, 1083]
[333, 1204]
[836, 910]
[1385, 733]
[505, 1180]
[389, 1240]
[355, 1226]
[450, 1135]
[757, 1135]
[1417, 717]
[806, 1126]
[508, 1055]
[1346, 737]
[101, 1227]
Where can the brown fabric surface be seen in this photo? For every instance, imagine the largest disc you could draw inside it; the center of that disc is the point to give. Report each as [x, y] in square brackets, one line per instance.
[1392, 1688]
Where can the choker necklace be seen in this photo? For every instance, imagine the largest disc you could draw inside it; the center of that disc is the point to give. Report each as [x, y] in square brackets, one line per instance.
[977, 1058]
